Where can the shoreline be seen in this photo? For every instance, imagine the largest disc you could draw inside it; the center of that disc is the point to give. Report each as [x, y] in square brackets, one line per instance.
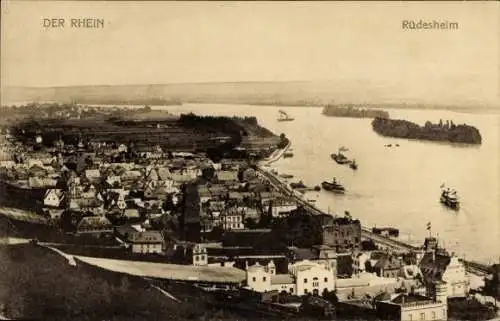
[465, 109]
[274, 158]
[473, 267]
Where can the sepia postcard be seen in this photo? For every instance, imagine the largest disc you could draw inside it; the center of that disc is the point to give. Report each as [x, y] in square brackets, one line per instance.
[250, 160]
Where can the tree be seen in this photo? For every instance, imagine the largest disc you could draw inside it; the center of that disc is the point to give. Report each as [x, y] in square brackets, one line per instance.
[250, 223]
[330, 296]
[208, 173]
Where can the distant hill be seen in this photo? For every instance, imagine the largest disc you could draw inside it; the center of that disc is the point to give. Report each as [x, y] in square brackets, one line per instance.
[294, 93]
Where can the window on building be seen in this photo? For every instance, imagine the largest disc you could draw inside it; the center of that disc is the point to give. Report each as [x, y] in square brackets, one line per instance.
[196, 258]
[291, 290]
[315, 283]
[263, 279]
[306, 291]
[326, 280]
[422, 316]
[253, 279]
[305, 280]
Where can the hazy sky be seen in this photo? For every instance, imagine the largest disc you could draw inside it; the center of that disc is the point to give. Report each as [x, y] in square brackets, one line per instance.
[169, 42]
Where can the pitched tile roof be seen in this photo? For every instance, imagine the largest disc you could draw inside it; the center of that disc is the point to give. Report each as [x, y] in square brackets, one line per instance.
[433, 268]
[150, 237]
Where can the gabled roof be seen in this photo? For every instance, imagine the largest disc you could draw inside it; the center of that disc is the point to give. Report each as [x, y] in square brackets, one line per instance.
[150, 237]
[54, 191]
[94, 222]
[85, 202]
[92, 173]
[404, 298]
[164, 173]
[131, 175]
[388, 262]
[303, 254]
[131, 213]
[41, 182]
[226, 176]
[282, 279]
[152, 175]
[182, 178]
[54, 212]
[434, 268]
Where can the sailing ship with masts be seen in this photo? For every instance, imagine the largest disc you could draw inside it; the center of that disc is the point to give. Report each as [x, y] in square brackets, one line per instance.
[283, 116]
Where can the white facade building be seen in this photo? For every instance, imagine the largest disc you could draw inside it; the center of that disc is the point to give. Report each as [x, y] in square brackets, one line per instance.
[303, 277]
[456, 279]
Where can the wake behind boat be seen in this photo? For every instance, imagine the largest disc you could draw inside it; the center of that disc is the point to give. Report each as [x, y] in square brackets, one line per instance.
[449, 198]
[333, 186]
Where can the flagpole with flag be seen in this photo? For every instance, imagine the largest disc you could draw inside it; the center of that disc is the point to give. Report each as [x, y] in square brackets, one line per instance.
[429, 228]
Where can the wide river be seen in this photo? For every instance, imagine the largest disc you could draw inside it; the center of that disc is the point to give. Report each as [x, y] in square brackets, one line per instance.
[398, 186]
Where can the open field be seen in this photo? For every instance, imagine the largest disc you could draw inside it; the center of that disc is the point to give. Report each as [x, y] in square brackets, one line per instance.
[168, 271]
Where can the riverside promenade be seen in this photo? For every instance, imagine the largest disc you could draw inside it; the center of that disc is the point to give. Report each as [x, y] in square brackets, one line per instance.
[475, 268]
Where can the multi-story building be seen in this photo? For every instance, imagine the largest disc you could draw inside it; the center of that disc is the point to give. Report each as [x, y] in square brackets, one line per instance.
[343, 234]
[409, 307]
[303, 277]
[281, 207]
[438, 266]
[232, 219]
[146, 242]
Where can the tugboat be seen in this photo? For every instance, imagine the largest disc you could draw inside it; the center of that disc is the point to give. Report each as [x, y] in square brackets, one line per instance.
[353, 165]
[300, 186]
[284, 116]
[339, 158]
[333, 187]
[449, 198]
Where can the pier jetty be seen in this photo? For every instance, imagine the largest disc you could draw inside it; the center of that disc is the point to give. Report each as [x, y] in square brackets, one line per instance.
[472, 267]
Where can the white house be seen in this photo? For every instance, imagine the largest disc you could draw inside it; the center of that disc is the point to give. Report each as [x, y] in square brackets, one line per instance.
[232, 220]
[200, 257]
[456, 279]
[146, 242]
[303, 277]
[53, 197]
[113, 180]
[359, 260]
[280, 207]
[439, 266]
[408, 307]
[90, 192]
[92, 175]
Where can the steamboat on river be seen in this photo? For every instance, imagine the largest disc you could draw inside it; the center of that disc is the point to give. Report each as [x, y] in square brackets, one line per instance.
[333, 186]
[449, 198]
